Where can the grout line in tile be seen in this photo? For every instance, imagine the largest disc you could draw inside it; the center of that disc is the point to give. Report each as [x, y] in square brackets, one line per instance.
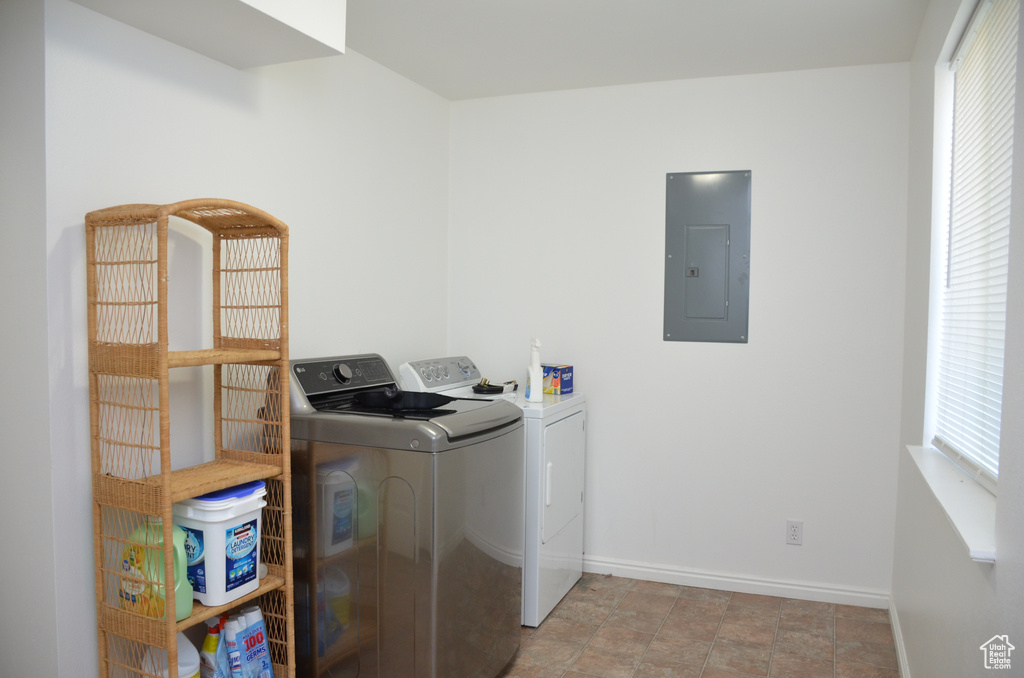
[714, 640]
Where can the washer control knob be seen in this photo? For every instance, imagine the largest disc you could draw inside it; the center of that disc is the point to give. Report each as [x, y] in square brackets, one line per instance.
[343, 372]
[465, 368]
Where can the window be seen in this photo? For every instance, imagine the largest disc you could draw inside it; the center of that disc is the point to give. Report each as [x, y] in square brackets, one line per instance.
[968, 392]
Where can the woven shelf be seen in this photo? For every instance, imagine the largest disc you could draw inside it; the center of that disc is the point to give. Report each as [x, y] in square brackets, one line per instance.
[201, 613]
[220, 357]
[114, 619]
[185, 484]
[129, 386]
[217, 475]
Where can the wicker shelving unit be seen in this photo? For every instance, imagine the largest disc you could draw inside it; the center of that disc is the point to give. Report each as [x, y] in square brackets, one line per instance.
[129, 387]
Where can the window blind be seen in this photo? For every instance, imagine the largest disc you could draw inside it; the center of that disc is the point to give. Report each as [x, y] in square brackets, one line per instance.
[972, 328]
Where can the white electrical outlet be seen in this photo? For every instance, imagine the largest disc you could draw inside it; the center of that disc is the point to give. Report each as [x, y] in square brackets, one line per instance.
[795, 532]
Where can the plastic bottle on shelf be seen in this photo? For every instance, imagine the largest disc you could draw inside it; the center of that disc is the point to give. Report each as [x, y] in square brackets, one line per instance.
[231, 633]
[208, 655]
[144, 560]
[257, 651]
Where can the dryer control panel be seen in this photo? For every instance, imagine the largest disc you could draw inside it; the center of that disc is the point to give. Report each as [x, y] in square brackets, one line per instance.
[438, 374]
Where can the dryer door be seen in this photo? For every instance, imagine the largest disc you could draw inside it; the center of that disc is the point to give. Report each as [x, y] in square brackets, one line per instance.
[562, 468]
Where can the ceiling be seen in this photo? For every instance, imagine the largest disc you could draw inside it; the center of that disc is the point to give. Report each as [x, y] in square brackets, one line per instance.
[465, 49]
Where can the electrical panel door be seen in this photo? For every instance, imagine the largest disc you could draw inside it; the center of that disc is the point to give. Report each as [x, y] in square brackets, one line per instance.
[707, 256]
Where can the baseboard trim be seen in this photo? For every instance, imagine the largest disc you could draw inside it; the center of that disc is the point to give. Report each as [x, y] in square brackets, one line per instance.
[726, 581]
[897, 637]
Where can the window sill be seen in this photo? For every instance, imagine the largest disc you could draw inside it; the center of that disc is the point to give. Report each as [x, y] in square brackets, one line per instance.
[971, 508]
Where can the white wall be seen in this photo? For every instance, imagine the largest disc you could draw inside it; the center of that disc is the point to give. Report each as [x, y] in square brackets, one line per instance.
[29, 622]
[352, 157]
[947, 605]
[698, 453]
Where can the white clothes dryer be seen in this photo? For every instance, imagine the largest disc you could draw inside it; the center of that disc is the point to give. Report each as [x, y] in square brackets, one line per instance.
[555, 442]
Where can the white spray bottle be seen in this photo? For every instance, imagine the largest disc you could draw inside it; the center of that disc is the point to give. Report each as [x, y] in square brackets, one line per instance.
[535, 374]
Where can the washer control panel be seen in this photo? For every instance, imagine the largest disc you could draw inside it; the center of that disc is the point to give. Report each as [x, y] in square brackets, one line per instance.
[342, 373]
[438, 374]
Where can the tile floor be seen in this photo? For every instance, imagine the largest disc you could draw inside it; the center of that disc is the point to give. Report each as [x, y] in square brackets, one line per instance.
[611, 627]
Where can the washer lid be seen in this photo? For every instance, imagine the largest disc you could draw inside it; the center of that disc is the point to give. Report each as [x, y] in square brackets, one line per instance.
[473, 421]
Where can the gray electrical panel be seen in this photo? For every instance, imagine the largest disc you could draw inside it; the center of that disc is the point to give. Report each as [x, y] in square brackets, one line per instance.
[707, 256]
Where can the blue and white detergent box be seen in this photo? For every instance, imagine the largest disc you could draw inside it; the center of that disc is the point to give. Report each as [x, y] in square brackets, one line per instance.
[557, 379]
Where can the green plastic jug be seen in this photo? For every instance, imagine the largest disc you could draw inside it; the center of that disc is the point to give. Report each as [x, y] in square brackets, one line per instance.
[144, 559]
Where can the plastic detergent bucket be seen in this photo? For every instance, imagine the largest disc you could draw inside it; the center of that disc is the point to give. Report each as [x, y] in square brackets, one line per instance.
[222, 541]
[155, 660]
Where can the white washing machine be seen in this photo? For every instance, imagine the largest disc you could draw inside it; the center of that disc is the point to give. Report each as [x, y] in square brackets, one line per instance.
[555, 439]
